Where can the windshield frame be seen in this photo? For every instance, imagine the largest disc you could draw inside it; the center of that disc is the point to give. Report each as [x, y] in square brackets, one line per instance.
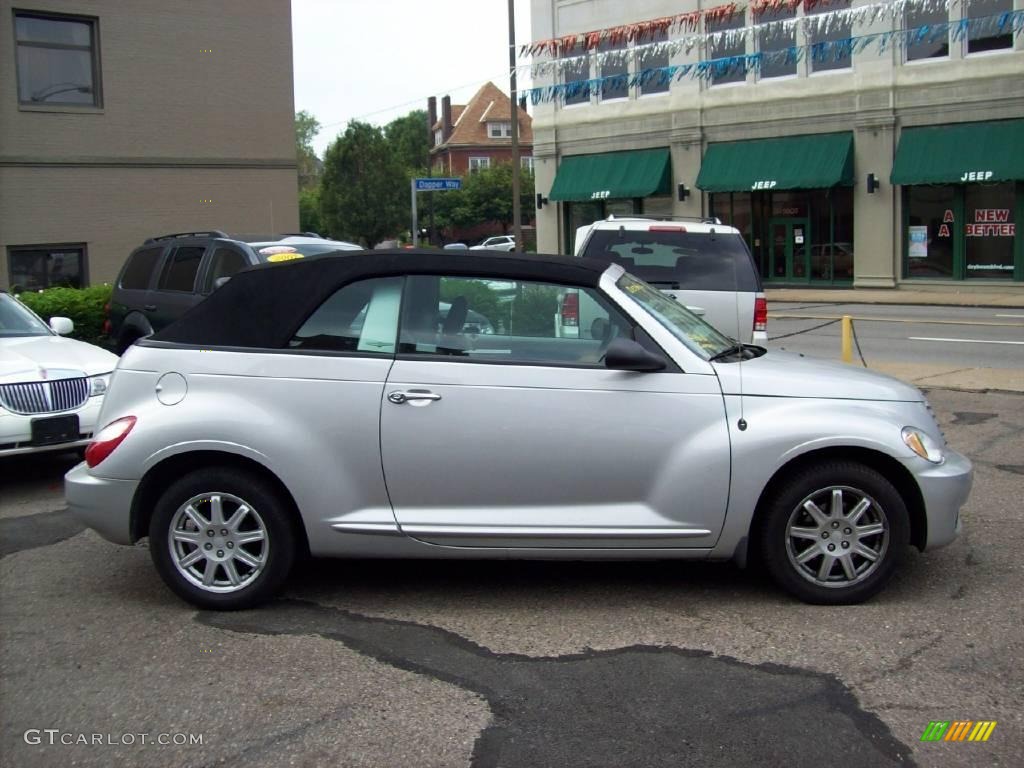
[22, 309]
[693, 332]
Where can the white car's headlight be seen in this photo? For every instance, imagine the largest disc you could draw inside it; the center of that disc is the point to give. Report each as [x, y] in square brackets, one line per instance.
[98, 384]
[924, 446]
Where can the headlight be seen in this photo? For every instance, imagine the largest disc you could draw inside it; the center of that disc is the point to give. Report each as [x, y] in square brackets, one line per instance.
[98, 384]
[924, 446]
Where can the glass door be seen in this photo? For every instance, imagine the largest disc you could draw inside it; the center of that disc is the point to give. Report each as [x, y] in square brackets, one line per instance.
[789, 250]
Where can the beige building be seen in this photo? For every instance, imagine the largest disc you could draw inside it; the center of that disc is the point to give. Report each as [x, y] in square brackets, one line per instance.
[124, 120]
[864, 143]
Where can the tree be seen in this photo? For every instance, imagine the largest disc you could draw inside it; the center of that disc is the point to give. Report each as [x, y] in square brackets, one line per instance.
[363, 188]
[309, 210]
[306, 129]
[407, 137]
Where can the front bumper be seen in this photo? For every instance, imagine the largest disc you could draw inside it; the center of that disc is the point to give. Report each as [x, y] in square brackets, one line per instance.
[16, 429]
[100, 503]
[945, 488]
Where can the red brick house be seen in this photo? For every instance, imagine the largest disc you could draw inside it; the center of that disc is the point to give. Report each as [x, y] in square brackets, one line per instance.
[476, 135]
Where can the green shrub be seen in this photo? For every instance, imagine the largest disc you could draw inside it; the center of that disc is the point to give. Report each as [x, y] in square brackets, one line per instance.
[83, 305]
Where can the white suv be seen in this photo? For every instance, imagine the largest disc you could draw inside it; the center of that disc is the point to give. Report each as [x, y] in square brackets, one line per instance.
[701, 263]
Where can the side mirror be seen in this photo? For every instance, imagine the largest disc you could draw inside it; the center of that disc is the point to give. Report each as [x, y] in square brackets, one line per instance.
[220, 281]
[62, 326]
[627, 355]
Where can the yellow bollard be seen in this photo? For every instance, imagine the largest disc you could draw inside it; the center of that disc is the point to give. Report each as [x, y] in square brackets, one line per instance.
[847, 339]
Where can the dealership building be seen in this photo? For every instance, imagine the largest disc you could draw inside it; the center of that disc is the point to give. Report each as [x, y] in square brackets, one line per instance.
[864, 144]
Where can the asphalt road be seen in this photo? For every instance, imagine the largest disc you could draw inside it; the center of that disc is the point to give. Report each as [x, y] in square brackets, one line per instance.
[968, 336]
[517, 664]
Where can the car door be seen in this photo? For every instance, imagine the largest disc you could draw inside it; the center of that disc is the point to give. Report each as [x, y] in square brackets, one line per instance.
[522, 438]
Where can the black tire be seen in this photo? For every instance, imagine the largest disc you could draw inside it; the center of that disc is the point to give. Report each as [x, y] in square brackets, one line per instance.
[780, 552]
[269, 510]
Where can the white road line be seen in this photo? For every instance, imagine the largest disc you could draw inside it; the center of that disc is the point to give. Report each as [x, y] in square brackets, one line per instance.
[1009, 315]
[964, 341]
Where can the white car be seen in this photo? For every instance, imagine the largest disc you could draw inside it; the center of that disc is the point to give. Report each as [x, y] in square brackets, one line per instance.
[496, 243]
[51, 388]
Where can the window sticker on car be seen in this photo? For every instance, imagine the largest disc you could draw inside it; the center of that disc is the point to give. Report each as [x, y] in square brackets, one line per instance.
[276, 257]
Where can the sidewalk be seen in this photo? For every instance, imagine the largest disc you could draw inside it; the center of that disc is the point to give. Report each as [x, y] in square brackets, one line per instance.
[968, 297]
[954, 377]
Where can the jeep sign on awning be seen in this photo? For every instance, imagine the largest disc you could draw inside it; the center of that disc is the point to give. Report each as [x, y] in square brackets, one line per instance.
[796, 162]
[613, 175]
[961, 154]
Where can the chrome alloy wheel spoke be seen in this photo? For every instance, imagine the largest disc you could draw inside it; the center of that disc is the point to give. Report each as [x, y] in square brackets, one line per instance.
[218, 542]
[852, 534]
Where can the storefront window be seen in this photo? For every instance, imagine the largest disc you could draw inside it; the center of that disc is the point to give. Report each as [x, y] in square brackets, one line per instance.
[932, 229]
[989, 231]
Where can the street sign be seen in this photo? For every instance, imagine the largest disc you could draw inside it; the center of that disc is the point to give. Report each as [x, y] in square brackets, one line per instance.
[437, 185]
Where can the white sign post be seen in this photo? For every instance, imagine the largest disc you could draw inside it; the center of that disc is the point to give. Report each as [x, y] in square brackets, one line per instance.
[427, 185]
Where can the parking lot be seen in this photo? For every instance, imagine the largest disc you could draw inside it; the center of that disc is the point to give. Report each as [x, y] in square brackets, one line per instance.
[516, 664]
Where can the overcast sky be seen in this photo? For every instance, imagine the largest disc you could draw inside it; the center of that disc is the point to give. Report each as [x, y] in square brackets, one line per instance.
[375, 60]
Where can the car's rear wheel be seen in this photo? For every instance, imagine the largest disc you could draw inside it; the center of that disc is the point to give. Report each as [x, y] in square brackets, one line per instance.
[221, 538]
[834, 533]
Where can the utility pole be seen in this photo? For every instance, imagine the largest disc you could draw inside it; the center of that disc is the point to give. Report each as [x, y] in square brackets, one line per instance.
[517, 218]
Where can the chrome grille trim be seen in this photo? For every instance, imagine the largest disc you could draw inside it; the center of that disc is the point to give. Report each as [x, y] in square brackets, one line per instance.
[44, 396]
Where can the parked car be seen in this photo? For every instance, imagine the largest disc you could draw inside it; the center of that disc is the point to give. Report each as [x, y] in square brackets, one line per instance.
[168, 275]
[496, 243]
[455, 247]
[51, 388]
[262, 425]
[701, 263]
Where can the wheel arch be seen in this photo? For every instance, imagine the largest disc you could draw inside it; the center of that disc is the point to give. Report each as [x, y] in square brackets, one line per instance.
[161, 474]
[891, 469]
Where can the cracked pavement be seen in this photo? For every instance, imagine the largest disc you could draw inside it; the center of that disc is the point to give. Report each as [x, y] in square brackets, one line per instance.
[519, 664]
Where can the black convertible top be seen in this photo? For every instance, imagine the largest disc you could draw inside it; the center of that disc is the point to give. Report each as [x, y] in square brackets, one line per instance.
[263, 306]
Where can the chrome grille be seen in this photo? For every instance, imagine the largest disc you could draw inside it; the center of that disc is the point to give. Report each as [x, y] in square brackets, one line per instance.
[44, 396]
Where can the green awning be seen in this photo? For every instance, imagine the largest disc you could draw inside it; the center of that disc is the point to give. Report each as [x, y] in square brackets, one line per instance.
[640, 173]
[965, 152]
[796, 162]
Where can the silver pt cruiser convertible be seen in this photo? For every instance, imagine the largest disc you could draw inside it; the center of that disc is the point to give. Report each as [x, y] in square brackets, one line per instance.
[343, 406]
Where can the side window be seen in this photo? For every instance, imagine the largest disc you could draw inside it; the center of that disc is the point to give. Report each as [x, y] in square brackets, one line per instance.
[521, 322]
[361, 317]
[224, 263]
[179, 273]
[140, 268]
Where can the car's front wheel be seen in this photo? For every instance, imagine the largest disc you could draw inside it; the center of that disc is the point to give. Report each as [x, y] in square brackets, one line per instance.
[221, 538]
[834, 533]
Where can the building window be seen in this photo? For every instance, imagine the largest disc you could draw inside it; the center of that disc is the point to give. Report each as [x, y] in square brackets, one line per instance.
[652, 57]
[575, 73]
[526, 163]
[933, 229]
[931, 44]
[499, 130]
[479, 163]
[992, 39]
[438, 137]
[773, 39]
[57, 59]
[824, 35]
[614, 71]
[724, 69]
[34, 267]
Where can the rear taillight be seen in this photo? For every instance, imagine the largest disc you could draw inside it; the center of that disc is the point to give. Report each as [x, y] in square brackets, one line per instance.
[666, 228]
[571, 309]
[760, 315]
[107, 439]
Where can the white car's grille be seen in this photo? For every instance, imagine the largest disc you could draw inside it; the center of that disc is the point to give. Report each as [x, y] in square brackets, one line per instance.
[44, 396]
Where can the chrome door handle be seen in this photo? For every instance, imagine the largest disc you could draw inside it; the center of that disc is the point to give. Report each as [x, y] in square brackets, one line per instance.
[412, 396]
[699, 311]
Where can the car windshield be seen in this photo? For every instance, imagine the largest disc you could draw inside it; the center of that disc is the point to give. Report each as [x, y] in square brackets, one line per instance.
[670, 257]
[16, 320]
[691, 330]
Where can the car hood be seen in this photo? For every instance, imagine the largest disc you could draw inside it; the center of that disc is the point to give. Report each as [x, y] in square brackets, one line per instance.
[787, 374]
[24, 359]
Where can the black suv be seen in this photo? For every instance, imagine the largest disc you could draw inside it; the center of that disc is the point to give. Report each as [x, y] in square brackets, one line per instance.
[167, 275]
